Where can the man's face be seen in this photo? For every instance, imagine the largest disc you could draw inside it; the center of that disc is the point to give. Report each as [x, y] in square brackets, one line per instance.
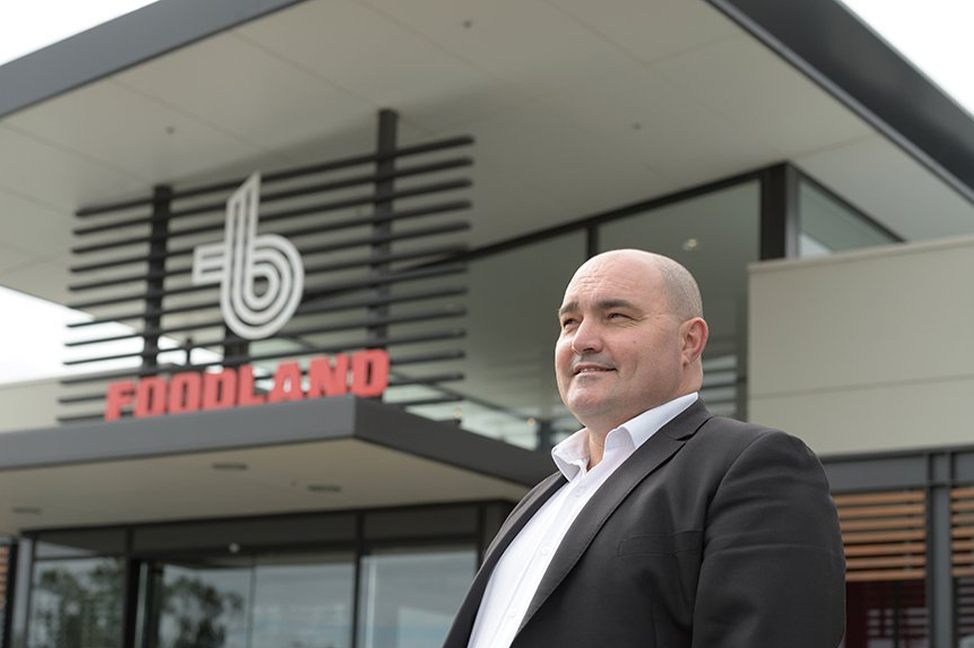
[619, 350]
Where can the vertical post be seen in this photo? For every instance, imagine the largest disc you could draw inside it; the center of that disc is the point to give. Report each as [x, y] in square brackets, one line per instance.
[357, 575]
[940, 592]
[780, 224]
[20, 611]
[545, 432]
[6, 607]
[385, 166]
[130, 600]
[591, 241]
[152, 320]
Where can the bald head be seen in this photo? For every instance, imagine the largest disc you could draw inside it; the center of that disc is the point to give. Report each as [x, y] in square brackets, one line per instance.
[631, 337]
[678, 285]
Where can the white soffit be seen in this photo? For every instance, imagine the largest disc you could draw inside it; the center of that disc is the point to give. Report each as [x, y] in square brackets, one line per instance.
[577, 107]
[276, 481]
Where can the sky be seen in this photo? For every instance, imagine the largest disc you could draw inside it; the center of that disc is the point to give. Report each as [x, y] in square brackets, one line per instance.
[29, 25]
[934, 35]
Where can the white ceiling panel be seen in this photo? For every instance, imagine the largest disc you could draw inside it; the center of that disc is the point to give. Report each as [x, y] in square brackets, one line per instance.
[54, 175]
[543, 49]
[556, 158]
[243, 90]
[47, 279]
[642, 115]
[11, 257]
[32, 227]
[649, 31]
[377, 61]
[145, 137]
[762, 95]
[885, 182]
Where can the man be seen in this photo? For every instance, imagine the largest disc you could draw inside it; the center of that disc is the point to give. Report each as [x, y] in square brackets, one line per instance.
[664, 526]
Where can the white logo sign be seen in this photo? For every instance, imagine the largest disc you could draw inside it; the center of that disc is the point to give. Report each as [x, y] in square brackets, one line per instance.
[244, 257]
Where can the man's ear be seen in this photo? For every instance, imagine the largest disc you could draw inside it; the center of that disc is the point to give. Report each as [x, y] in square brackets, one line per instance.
[694, 334]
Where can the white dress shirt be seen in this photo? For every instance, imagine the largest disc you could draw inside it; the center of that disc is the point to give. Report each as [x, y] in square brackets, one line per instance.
[518, 573]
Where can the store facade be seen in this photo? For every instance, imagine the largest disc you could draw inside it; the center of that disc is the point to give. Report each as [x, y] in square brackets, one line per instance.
[222, 482]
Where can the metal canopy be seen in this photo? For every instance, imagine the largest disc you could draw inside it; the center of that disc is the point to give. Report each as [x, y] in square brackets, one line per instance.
[324, 454]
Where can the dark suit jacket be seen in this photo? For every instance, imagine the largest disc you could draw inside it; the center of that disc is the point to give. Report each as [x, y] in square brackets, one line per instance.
[713, 534]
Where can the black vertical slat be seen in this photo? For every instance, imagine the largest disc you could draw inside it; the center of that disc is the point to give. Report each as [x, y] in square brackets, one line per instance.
[385, 166]
[161, 208]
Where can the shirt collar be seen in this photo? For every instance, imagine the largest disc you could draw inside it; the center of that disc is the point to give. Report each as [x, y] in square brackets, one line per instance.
[571, 456]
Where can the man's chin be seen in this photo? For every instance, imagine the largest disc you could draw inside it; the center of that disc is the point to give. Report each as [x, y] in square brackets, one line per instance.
[586, 406]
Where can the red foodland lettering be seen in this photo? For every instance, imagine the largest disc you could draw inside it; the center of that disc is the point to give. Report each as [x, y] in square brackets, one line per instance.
[363, 373]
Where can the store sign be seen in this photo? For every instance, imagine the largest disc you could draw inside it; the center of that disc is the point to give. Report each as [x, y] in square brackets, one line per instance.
[363, 373]
[242, 259]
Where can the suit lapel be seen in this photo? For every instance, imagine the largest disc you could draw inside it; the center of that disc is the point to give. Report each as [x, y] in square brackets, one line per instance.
[647, 458]
[459, 634]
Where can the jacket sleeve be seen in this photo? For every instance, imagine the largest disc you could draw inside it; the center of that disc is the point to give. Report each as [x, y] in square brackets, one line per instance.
[772, 573]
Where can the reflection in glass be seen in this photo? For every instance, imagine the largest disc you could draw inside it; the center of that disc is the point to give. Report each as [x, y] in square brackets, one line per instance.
[511, 325]
[886, 614]
[202, 607]
[303, 603]
[715, 236]
[828, 226]
[76, 604]
[408, 600]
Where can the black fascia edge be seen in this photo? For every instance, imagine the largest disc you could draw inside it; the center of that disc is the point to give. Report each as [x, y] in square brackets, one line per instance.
[322, 419]
[121, 43]
[831, 46]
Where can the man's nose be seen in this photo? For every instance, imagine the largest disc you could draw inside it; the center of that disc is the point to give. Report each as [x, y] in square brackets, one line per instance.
[588, 338]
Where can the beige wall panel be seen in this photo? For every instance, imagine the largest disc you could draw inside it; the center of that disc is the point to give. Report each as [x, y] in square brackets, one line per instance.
[891, 316]
[865, 351]
[28, 405]
[886, 417]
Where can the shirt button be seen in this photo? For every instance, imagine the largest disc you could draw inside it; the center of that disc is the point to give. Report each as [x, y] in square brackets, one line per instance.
[511, 614]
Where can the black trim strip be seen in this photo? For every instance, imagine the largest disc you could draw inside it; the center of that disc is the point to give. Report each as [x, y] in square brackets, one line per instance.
[828, 44]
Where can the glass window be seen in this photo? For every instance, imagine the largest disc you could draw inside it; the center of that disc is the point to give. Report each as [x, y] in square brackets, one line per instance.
[303, 601]
[76, 604]
[715, 236]
[196, 606]
[828, 225]
[409, 598]
[884, 614]
[511, 324]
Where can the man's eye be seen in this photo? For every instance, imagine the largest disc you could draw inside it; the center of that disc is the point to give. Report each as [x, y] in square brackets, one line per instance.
[568, 321]
[618, 316]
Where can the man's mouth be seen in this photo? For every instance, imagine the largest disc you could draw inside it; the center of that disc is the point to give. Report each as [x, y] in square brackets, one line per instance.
[589, 368]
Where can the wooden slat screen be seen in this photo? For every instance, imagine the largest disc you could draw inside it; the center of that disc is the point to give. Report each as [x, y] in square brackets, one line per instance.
[885, 535]
[962, 531]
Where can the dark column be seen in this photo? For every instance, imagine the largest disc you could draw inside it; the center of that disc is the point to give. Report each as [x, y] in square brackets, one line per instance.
[779, 212]
[161, 208]
[130, 601]
[8, 596]
[385, 166]
[941, 621]
[20, 610]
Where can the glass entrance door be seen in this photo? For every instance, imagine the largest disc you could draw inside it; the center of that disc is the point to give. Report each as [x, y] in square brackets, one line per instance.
[297, 601]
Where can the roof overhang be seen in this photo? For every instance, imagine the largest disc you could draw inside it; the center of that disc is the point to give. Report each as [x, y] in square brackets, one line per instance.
[577, 108]
[326, 454]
